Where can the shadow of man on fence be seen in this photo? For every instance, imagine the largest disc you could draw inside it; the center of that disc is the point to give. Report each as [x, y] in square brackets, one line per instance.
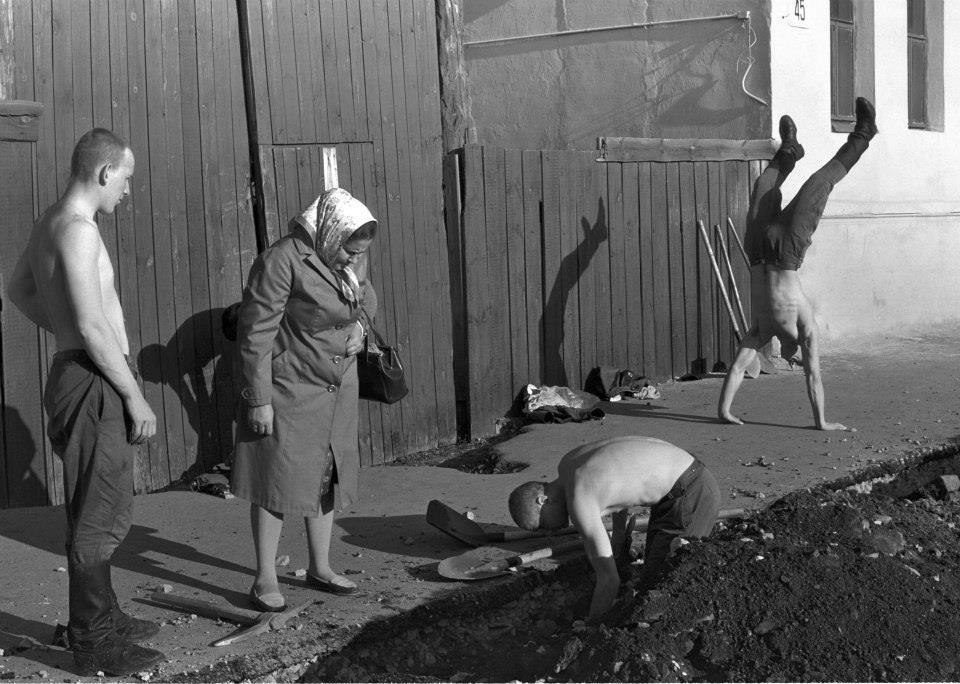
[198, 364]
[572, 267]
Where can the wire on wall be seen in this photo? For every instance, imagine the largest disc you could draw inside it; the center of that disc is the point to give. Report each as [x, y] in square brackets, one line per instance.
[751, 41]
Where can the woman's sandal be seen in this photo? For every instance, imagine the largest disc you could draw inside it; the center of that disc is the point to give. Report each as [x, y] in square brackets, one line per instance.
[271, 602]
[329, 587]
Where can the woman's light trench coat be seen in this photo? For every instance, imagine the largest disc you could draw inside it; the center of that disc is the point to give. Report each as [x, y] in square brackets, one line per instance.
[292, 333]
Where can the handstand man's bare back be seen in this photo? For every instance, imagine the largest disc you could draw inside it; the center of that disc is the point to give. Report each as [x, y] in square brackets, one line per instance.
[776, 241]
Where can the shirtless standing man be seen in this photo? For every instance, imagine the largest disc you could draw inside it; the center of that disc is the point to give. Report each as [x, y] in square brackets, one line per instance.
[776, 241]
[64, 282]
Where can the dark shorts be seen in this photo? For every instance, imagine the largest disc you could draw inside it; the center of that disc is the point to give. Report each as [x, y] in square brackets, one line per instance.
[781, 237]
[688, 510]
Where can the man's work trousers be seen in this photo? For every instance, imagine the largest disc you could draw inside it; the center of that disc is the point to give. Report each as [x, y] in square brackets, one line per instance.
[87, 429]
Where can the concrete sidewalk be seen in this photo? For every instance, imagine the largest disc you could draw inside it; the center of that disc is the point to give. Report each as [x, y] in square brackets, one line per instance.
[900, 393]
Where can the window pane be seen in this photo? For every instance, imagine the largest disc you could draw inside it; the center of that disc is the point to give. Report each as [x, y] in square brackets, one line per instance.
[917, 82]
[841, 9]
[841, 71]
[916, 20]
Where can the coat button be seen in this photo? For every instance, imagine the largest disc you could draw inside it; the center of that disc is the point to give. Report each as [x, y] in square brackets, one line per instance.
[331, 388]
[336, 359]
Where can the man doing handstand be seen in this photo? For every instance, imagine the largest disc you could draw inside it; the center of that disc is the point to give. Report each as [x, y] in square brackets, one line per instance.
[609, 476]
[776, 241]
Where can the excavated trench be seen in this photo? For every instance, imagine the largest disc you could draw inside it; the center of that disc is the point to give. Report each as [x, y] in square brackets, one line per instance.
[853, 580]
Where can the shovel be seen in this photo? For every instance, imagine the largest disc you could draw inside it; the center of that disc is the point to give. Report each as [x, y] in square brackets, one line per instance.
[488, 561]
[461, 528]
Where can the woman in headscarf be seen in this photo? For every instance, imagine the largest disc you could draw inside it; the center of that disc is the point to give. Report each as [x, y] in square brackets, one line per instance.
[298, 331]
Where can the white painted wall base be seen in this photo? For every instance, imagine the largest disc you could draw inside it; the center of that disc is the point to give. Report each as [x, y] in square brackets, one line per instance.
[879, 273]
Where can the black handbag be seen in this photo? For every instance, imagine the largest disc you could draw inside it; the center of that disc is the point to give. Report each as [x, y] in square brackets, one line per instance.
[380, 372]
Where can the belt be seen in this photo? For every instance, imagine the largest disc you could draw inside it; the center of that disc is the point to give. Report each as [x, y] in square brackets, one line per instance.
[680, 486]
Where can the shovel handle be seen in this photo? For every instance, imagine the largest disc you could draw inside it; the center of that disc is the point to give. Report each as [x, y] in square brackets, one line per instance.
[205, 608]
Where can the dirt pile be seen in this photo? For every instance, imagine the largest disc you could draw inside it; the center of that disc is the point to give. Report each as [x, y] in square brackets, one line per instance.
[844, 586]
[852, 585]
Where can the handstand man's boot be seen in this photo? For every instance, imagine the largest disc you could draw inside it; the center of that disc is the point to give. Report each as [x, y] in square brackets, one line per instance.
[95, 644]
[859, 139]
[790, 150]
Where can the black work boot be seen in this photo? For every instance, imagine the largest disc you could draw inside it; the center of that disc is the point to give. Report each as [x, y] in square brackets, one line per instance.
[116, 658]
[866, 126]
[126, 626]
[92, 637]
[788, 138]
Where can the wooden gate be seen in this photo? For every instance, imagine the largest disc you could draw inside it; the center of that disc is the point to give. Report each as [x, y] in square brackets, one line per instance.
[165, 75]
[565, 262]
[361, 75]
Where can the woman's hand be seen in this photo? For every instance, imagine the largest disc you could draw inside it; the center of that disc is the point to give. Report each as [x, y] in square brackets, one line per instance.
[355, 340]
[261, 419]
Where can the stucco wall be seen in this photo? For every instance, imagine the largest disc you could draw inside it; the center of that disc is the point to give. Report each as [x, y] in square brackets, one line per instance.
[680, 80]
[887, 251]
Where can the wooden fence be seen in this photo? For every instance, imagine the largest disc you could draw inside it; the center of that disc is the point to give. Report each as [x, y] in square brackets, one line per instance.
[362, 76]
[564, 263]
[166, 76]
[225, 103]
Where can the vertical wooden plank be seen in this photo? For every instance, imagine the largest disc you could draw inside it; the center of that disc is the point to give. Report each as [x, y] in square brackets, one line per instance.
[331, 91]
[607, 354]
[336, 11]
[388, 159]
[533, 260]
[587, 246]
[618, 276]
[689, 235]
[81, 82]
[659, 199]
[312, 50]
[569, 269]
[678, 322]
[258, 62]
[280, 119]
[717, 187]
[648, 257]
[409, 140]
[300, 47]
[428, 87]
[495, 382]
[632, 272]
[357, 85]
[738, 194]
[21, 414]
[63, 94]
[705, 279]
[475, 261]
[195, 335]
[554, 294]
[293, 130]
[143, 229]
[516, 271]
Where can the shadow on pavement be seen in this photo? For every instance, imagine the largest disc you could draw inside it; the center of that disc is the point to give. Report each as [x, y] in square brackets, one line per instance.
[15, 632]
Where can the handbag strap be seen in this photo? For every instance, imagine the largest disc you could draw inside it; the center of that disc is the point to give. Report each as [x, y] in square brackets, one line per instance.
[369, 325]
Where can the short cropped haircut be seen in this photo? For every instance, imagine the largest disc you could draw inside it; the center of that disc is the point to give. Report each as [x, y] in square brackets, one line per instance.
[525, 506]
[95, 148]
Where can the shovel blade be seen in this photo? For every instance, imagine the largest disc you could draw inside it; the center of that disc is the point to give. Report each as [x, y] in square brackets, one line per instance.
[474, 564]
[455, 524]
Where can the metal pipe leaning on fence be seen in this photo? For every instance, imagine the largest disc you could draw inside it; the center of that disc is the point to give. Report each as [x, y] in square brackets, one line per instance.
[733, 278]
[739, 242]
[716, 272]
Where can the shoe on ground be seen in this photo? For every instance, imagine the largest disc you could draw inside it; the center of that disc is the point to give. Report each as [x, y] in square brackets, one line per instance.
[117, 658]
[330, 587]
[271, 602]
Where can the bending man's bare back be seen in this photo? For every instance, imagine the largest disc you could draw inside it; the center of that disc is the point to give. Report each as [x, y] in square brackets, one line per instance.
[776, 242]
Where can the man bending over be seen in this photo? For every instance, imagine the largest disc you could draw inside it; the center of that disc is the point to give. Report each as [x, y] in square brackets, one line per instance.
[609, 476]
[776, 241]
[64, 283]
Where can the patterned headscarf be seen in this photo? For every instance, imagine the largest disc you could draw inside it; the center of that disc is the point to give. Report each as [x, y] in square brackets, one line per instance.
[331, 219]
